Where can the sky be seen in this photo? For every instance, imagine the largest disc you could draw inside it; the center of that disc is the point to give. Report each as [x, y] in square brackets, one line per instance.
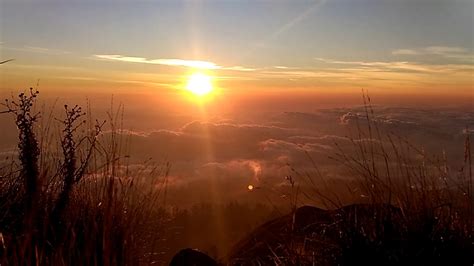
[251, 48]
[287, 76]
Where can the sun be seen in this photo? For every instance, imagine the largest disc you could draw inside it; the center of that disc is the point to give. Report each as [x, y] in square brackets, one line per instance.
[199, 84]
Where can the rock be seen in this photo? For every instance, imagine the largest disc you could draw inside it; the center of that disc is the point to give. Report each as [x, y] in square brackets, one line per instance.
[192, 257]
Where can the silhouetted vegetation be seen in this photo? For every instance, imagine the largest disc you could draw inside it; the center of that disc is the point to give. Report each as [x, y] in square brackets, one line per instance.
[75, 207]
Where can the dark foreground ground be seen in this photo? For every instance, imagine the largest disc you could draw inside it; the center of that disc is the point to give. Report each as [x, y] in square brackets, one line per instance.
[358, 234]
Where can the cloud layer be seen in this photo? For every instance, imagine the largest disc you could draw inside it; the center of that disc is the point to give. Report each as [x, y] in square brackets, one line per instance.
[229, 154]
[232, 155]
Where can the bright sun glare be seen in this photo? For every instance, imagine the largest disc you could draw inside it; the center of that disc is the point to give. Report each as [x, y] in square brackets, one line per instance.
[199, 84]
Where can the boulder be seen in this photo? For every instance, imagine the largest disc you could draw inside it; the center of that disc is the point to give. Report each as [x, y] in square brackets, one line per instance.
[192, 257]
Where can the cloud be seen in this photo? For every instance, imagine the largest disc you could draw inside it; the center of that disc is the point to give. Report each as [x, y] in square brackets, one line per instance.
[445, 50]
[296, 133]
[166, 62]
[399, 66]
[240, 68]
[405, 52]
[457, 64]
[234, 154]
[448, 52]
[376, 64]
[36, 49]
[118, 81]
[263, 155]
[173, 62]
[235, 168]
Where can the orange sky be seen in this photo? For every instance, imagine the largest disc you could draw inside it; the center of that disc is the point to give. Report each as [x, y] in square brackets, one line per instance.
[394, 49]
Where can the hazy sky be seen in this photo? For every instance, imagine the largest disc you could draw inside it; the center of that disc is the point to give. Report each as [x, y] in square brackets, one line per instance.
[401, 46]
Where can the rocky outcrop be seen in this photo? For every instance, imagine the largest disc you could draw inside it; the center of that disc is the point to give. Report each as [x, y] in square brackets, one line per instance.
[314, 236]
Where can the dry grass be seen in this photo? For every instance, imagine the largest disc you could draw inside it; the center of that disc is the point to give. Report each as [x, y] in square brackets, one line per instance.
[432, 223]
[76, 202]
